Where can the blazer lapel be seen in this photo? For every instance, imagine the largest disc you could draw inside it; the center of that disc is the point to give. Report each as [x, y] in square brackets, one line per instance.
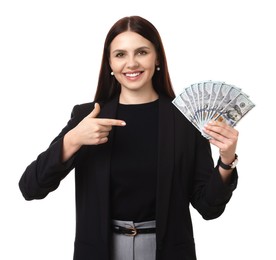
[165, 165]
[108, 110]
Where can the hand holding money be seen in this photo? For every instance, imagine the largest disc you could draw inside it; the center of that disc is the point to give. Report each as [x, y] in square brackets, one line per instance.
[213, 101]
[223, 136]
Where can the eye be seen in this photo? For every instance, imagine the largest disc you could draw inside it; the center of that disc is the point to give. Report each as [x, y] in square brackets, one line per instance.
[119, 55]
[142, 52]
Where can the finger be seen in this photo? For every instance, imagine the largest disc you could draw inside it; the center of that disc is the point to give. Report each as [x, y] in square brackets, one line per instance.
[95, 111]
[225, 126]
[105, 121]
[219, 128]
[216, 143]
[105, 128]
[218, 136]
[102, 140]
[224, 143]
[111, 122]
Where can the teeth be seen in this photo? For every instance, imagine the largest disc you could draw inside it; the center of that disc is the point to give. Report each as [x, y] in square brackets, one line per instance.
[132, 74]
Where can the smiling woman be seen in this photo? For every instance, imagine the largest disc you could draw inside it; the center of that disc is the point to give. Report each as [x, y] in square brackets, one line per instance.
[138, 162]
[133, 61]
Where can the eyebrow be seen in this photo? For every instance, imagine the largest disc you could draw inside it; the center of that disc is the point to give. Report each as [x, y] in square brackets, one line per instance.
[140, 48]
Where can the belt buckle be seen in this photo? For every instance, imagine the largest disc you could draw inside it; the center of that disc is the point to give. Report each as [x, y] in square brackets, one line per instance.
[133, 231]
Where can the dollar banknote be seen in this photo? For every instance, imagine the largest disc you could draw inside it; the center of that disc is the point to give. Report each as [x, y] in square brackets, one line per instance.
[213, 100]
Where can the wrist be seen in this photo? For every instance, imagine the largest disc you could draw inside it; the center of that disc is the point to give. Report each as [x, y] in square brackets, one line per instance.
[228, 164]
[69, 146]
[227, 160]
[71, 140]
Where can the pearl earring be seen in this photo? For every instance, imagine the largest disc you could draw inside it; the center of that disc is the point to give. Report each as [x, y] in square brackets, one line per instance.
[112, 73]
[158, 68]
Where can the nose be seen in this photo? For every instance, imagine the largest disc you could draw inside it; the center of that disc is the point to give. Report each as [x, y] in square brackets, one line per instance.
[132, 63]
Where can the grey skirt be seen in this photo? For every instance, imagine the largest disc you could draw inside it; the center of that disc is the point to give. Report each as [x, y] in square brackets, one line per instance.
[133, 247]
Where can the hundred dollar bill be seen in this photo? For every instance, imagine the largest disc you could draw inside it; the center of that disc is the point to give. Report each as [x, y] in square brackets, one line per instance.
[212, 103]
[183, 108]
[207, 93]
[191, 98]
[235, 110]
[197, 105]
[189, 105]
[201, 100]
[228, 93]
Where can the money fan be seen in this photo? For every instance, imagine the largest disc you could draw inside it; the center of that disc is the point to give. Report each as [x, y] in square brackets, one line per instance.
[213, 100]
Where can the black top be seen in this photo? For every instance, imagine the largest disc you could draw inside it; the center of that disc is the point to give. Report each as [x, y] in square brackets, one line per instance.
[134, 163]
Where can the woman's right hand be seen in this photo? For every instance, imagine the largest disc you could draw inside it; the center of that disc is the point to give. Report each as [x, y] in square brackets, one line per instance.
[90, 131]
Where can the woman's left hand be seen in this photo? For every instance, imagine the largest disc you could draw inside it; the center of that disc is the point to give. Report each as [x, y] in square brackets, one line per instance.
[224, 137]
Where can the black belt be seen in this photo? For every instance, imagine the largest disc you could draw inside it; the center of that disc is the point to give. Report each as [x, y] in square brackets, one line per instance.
[132, 231]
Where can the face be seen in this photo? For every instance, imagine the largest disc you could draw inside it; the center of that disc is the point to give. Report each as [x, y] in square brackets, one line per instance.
[133, 60]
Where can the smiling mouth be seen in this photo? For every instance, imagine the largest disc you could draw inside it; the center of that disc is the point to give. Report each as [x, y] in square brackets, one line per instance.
[133, 74]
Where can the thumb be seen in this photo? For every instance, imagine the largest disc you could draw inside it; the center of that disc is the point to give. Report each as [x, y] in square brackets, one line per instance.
[95, 111]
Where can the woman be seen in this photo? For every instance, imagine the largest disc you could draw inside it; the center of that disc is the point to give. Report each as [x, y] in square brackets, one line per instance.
[138, 162]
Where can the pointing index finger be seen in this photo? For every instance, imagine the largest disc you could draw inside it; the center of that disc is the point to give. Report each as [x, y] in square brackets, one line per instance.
[111, 122]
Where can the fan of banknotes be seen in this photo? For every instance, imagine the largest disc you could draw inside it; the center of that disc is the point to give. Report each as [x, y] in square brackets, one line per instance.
[213, 100]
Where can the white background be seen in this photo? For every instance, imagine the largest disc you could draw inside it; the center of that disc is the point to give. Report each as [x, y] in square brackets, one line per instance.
[50, 54]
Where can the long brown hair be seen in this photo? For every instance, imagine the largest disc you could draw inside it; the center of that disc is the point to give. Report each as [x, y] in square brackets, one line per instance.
[108, 86]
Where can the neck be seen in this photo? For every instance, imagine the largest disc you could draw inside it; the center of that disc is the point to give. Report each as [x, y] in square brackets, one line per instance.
[137, 98]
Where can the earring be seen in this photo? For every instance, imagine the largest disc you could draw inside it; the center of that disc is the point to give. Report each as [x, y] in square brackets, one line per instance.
[112, 73]
[158, 68]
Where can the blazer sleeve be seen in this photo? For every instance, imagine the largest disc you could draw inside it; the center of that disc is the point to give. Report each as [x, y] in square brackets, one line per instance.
[44, 174]
[210, 194]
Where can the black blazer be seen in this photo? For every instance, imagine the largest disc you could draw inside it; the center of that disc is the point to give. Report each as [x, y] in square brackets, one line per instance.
[186, 174]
